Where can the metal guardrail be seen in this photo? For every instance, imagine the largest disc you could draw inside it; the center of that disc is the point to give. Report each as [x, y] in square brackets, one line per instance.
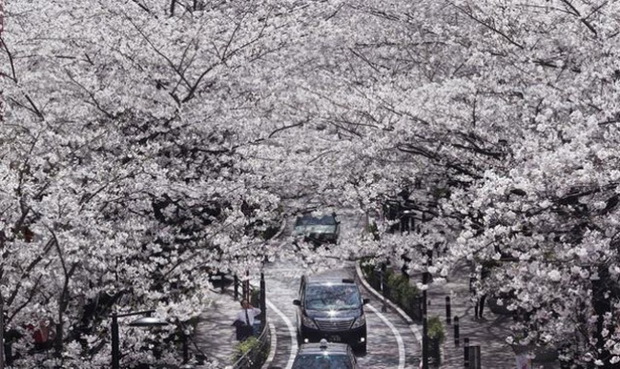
[252, 359]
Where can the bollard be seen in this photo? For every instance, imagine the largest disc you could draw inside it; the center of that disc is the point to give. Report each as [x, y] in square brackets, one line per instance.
[223, 279]
[236, 289]
[474, 357]
[263, 301]
[456, 331]
[466, 352]
[246, 286]
[448, 315]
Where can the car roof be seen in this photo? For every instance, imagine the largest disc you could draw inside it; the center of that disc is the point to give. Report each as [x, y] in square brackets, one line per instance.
[330, 281]
[318, 348]
[315, 215]
[336, 276]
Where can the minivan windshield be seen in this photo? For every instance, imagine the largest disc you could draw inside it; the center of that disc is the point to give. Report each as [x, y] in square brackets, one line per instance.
[332, 297]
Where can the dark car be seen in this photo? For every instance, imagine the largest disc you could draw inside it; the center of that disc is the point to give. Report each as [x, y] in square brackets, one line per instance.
[331, 308]
[317, 229]
[325, 355]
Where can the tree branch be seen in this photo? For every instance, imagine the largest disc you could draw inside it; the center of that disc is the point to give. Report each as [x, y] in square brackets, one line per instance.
[582, 19]
[6, 48]
[470, 15]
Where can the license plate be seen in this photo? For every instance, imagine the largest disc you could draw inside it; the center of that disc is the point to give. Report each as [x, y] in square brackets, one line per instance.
[334, 338]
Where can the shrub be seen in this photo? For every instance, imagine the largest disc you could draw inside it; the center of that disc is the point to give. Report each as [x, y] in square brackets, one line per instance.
[252, 348]
[370, 275]
[398, 288]
[435, 329]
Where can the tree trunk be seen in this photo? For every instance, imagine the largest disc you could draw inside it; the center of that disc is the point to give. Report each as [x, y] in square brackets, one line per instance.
[2, 241]
[601, 304]
[1, 321]
[1, 96]
[1, 92]
[172, 6]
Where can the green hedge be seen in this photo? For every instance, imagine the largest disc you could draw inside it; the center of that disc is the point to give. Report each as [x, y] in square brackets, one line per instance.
[397, 288]
[254, 350]
[436, 329]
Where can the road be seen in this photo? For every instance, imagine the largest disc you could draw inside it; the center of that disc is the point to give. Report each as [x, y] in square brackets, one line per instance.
[392, 343]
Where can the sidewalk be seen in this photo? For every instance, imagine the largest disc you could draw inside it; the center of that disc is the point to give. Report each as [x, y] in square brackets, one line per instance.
[490, 332]
[214, 334]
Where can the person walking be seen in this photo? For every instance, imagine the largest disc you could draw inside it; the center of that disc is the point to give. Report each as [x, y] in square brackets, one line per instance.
[244, 322]
[479, 296]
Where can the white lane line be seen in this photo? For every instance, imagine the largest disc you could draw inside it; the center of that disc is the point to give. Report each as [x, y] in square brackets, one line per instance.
[291, 330]
[274, 345]
[416, 333]
[399, 339]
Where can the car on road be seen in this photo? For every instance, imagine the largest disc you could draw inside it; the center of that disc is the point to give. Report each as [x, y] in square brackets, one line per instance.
[325, 355]
[331, 307]
[317, 228]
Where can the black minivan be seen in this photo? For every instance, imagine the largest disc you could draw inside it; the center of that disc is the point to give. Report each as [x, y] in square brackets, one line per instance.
[318, 230]
[331, 308]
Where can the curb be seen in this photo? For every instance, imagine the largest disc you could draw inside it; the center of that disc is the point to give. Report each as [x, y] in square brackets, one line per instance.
[412, 325]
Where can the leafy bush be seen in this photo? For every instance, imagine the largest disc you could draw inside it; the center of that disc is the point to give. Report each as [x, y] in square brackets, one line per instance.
[397, 286]
[436, 329]
[253, 349]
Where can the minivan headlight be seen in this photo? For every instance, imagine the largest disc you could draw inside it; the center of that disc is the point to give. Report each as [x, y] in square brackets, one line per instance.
[308, 322]
[360, 321]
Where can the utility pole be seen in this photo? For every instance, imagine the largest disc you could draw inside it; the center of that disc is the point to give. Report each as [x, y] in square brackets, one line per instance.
[424, 323]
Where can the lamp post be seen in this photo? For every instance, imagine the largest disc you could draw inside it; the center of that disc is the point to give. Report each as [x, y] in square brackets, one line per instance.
[146, 321]
[424, 323]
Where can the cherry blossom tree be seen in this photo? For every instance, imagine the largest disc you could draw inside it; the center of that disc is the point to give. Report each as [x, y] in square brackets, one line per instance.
[2, 355]
[500, 119]
[124, 177]
[147, 143]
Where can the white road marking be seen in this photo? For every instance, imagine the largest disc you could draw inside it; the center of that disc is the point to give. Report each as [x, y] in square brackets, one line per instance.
[416, 333]
[291, 330]
[399, 339]
[274, 344]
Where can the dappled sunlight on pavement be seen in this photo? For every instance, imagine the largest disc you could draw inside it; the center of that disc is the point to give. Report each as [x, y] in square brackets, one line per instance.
[215, 336]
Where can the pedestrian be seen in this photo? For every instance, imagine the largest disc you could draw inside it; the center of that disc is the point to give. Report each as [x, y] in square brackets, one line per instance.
[482, 271]
[244, 322]
[479, 308]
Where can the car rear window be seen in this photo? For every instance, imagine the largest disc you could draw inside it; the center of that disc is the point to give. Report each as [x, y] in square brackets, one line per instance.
[309, 220]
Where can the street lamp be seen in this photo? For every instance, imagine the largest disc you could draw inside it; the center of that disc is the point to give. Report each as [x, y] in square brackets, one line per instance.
[146, 321]
[424, 322]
